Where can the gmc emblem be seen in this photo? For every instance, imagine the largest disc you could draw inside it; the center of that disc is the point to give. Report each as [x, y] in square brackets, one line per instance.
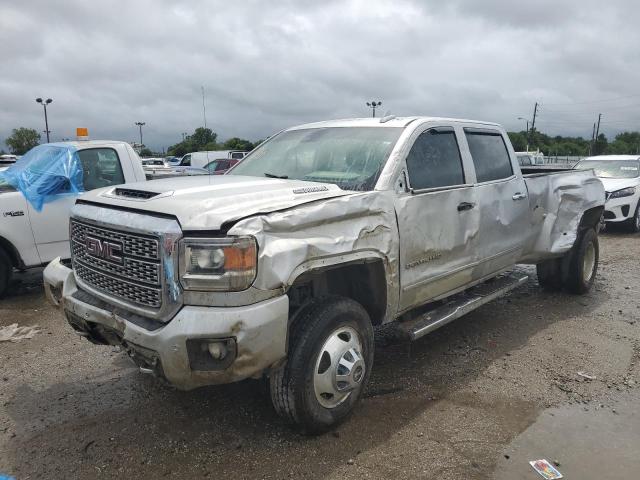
[104, 249]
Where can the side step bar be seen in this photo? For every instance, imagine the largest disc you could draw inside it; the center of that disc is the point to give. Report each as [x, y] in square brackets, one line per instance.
[460, 304]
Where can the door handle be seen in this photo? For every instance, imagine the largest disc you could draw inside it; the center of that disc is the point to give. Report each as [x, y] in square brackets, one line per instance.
[465, 206]
[519, 196]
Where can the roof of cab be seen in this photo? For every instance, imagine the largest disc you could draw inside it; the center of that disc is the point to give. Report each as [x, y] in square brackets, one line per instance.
[82, 144]
[613, 157]
[388, 121]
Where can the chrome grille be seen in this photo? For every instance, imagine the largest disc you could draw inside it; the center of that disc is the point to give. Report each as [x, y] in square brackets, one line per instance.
[137, 279]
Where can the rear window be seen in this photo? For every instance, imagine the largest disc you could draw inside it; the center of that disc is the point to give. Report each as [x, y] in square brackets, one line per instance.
[490, 155]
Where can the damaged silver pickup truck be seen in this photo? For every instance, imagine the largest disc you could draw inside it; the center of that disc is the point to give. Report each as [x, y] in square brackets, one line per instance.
[283, 267]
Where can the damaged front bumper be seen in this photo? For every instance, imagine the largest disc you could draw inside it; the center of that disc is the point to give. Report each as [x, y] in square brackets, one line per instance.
[199, 346]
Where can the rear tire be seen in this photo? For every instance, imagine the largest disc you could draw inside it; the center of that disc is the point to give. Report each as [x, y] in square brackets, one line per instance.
[329, 361]
[583, 263]
[633, 224]
[6, 269]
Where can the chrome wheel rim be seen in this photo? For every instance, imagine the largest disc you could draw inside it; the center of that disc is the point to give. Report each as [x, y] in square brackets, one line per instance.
[589, 262]
[339, 368]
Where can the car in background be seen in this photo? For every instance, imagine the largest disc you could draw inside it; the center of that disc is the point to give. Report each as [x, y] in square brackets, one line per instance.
[620, 175]
[220, 165]
[7, 160]
[154, 162]
[200, 159]
[527, 159]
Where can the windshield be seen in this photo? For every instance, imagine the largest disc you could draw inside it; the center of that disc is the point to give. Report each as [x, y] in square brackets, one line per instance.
[612, 168]
[349, 157]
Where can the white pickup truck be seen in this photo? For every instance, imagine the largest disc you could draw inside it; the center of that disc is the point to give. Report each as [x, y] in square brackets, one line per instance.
[30, 238]
[284, 266]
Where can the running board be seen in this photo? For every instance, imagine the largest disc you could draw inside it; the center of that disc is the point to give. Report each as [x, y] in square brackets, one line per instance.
[461, 304]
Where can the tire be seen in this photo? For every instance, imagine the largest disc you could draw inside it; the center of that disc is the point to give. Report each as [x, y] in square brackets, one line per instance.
[6, 269]
[583, 263]
[550, 274]
[633, 224]
[327, 334]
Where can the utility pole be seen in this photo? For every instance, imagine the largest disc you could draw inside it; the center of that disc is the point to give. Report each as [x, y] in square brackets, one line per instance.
[373, 105]
[204, 109]
[533, 121]
[140, 124]
[598, 127]
[44, 103]
[593, 136]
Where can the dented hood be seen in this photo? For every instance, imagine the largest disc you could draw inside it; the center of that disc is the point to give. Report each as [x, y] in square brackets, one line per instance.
[208, 202]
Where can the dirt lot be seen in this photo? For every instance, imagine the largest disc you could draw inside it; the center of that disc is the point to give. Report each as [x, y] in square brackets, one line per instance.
[477, 399]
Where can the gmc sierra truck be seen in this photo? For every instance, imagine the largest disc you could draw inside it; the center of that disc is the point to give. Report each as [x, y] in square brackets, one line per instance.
[283, 267]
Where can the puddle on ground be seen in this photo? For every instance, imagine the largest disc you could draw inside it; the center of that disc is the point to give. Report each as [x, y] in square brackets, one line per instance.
[597, 444]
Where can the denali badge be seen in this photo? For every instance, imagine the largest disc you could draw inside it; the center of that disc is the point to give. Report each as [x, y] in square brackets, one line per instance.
[104, 249]
[16, 213]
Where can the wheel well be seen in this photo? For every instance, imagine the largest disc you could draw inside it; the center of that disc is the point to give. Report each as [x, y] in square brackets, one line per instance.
[365, 282]
[590, 218]
[12, 252]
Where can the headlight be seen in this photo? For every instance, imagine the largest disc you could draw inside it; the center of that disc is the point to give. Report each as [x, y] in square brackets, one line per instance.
[625, 192]
[218, 264]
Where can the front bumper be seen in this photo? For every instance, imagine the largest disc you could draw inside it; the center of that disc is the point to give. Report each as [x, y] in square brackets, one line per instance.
[258, 332]
[620, 209]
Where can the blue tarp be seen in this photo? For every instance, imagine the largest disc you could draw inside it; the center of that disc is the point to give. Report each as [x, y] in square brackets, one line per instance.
[45, 173]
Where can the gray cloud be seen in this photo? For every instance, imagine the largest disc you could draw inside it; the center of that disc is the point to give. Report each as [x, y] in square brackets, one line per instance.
[266, 66]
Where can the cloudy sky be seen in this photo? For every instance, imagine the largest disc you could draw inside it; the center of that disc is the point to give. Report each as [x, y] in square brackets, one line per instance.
[268, 65]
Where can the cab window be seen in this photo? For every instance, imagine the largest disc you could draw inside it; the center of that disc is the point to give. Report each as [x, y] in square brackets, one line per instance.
[490, 155]
[101, 168]
[434, 160]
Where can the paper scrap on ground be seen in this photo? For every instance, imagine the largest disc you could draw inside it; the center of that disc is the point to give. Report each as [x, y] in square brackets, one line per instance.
[13, 333]
[545, 469]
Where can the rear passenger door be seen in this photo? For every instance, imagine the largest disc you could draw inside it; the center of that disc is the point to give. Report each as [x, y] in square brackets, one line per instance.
[438, 218]
[503, 203]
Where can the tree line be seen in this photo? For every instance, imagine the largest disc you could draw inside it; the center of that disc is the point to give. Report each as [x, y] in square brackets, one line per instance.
[626, 143]
[24, 139]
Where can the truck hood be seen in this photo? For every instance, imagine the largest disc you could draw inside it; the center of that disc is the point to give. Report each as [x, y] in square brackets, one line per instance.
[208, 202]
[613, 184]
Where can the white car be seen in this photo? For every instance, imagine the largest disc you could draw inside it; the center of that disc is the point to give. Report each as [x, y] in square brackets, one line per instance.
[620, 175]
[30, 237]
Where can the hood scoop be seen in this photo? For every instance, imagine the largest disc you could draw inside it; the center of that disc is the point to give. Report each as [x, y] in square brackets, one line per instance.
[132, 194]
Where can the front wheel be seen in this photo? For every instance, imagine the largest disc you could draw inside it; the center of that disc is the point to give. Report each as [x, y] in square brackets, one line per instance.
[330, 358]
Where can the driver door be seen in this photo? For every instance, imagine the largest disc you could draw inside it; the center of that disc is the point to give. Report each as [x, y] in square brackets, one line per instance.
[438, 218]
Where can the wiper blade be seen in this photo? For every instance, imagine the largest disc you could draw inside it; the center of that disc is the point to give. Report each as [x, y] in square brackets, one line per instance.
[271, 175]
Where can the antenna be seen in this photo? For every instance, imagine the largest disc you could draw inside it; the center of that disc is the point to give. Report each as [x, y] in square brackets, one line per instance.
[204, 109]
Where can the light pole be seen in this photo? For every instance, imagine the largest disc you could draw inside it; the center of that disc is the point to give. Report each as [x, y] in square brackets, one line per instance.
[521, 118]
[140, 125]
[44, 103]
[373, 104]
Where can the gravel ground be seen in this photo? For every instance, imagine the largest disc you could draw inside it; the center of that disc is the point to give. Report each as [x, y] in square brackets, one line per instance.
[472, 400]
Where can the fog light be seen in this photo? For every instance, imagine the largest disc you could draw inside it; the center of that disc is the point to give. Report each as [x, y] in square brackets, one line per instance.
[218, 350]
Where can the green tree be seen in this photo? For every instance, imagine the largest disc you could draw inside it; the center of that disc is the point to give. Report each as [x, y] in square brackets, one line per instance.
[600, 145]
[145, 152]
[518, 140]
[236, 143]
[22, 140]
[202, 136]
